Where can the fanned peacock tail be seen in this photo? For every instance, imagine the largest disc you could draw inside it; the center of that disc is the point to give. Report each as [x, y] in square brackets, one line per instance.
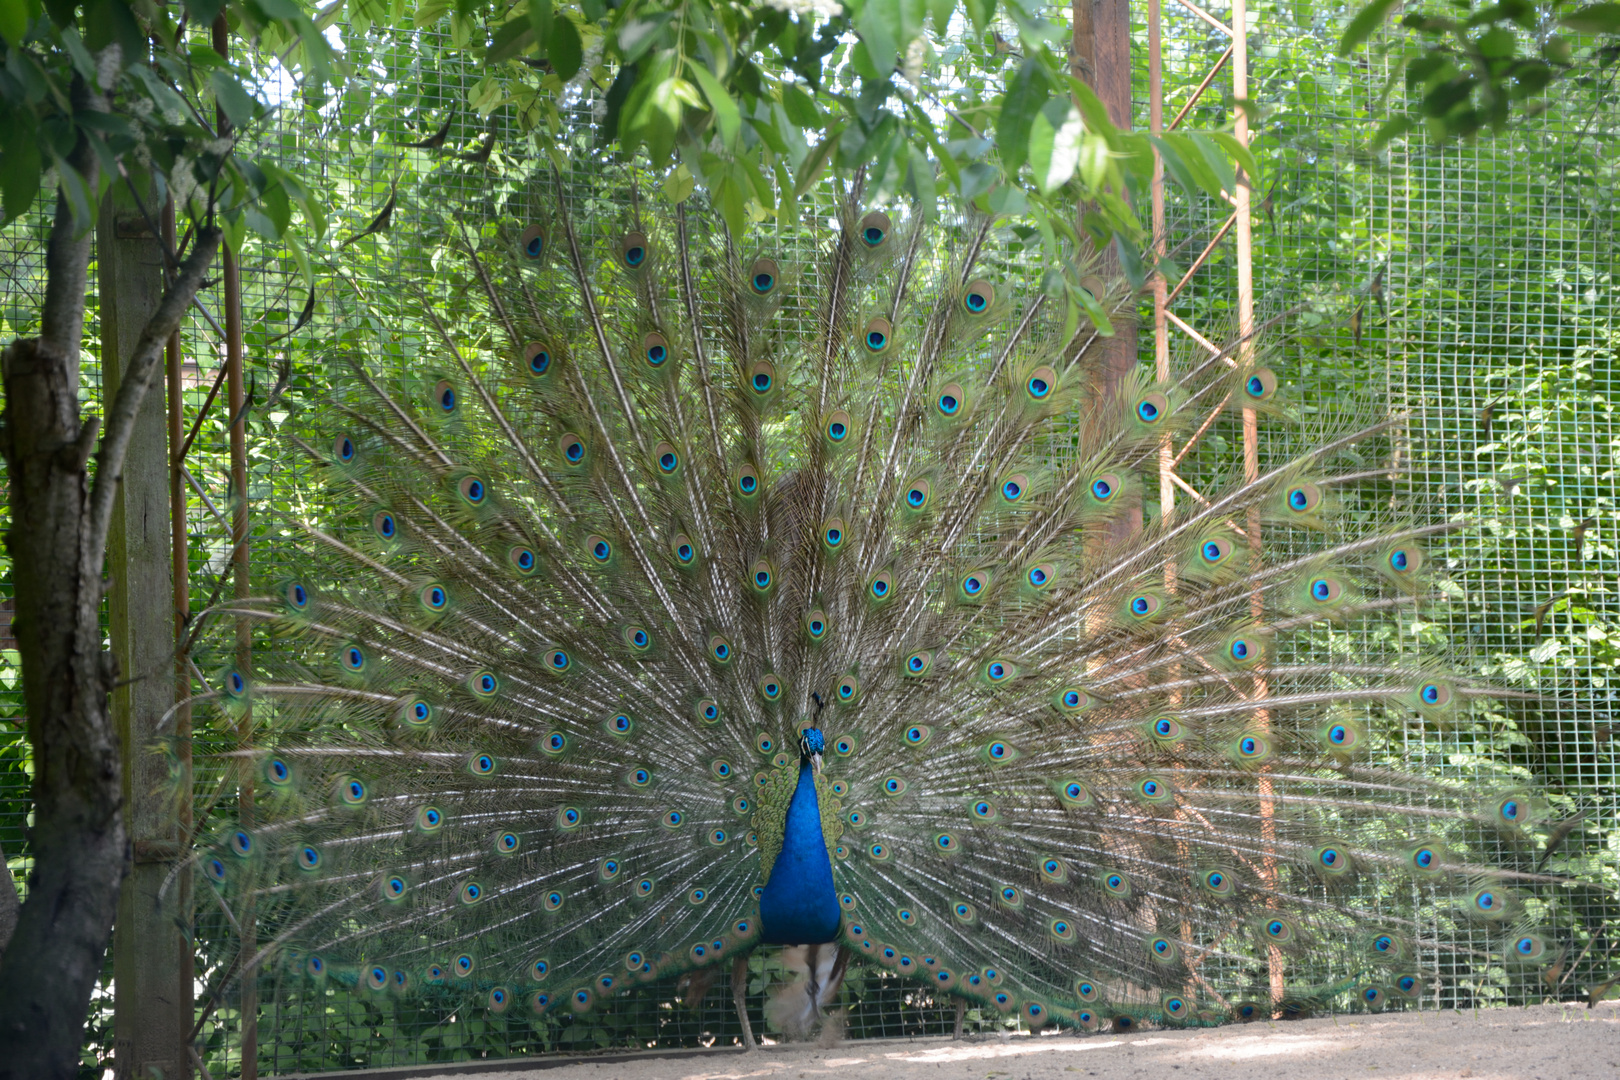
[649, 627]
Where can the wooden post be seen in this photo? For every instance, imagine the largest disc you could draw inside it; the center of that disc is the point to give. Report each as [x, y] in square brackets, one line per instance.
[236, 400]
[1100, 56]
[151, 957]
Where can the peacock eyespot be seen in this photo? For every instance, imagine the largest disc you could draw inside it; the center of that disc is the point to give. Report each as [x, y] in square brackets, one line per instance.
[568, 817]
[236, 685]
[1399, 560]
[444, 394]
[554, 743]
[747, 482]
[1152, 408]
[978, 297]
[472, 489]
[277, 771]
[761, 377]
[1144, 605]
[655, 350]
[572, 448]
[429, 818]
[481, 764]
[553, 901]
[770, 687]
[877, 335]
[763, 276]
[343, 449]
[881, 586]
[523, 559]
[537, 358]
[1261, 384]
[382, 523]
[1014, 487]
[640, 777]
[309, 858]
[1435, 694]
[949, 401]
[633, 249]
[874, 228]
[1041, 383]
[435, 597]
[297, 596]
[1215, 551]
[354, 658]
[1105, 487]
[533, 242]
[918, 493]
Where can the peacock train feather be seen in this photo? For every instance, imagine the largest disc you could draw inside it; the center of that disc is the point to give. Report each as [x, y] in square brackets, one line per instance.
[696, 602]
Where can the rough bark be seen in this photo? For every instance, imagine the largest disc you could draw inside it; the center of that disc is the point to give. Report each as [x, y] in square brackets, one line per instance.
[57, 538]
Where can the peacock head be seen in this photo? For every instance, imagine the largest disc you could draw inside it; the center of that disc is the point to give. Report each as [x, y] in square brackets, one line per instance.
[812, 744]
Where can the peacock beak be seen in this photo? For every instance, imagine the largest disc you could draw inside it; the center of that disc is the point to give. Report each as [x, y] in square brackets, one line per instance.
[815, 764]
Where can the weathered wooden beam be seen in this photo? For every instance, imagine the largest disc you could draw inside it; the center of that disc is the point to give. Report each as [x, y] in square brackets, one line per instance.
[151, 956]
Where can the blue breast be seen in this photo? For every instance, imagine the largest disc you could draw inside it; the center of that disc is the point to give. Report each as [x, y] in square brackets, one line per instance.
[800, 906]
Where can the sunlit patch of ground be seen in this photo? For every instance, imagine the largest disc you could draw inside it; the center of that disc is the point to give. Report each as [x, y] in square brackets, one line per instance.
[1546, 1042]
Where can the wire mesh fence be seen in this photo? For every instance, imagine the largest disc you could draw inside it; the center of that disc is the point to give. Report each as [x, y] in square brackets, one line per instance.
[1470, 289]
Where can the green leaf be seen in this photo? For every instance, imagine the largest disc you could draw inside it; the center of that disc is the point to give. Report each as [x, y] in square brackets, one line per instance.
[14, 16]
[1217, 162]
[513, 39]
[540, 19]
[20, 168]
[1055, 137]
[921, 180]
[1239, 152]
[878, 25]
[1130, 262]
[1019, 107]
[1391, 129]
[1194, 172]
[980, 12]
[564, 49]
[726, 116]
[801, 107]
[1593, 19]
[1362, 27]
[730, 197]
[815, 161]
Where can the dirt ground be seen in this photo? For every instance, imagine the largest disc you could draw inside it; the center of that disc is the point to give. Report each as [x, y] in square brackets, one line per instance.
[1547, 1042]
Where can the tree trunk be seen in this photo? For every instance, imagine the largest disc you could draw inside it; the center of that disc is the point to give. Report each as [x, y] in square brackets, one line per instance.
[59, 523]
[1100, 56]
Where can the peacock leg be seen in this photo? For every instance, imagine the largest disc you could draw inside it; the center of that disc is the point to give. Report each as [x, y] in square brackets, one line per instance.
[961, 1013]
[739, 996]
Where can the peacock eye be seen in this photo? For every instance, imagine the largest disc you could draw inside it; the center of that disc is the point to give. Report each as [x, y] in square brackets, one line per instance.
[537, 358]
[763, 276]
[878, 335]
[633, 249]
[875, 228]
[655, 348]
[533, 242]
[978, 297]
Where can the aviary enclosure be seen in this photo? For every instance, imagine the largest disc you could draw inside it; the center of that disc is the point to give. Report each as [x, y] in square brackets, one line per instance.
[1468, 289]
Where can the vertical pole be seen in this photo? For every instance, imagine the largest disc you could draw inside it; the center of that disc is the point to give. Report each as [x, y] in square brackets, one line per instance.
[152, 1000]
[1244, 234]
[236, 398]
[1161, 328]
[180, 569]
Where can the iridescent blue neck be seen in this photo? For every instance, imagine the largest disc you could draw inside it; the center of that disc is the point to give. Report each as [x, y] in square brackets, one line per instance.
[800, 905]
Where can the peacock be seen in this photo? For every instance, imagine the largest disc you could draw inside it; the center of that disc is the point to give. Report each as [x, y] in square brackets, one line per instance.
[694, 602]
